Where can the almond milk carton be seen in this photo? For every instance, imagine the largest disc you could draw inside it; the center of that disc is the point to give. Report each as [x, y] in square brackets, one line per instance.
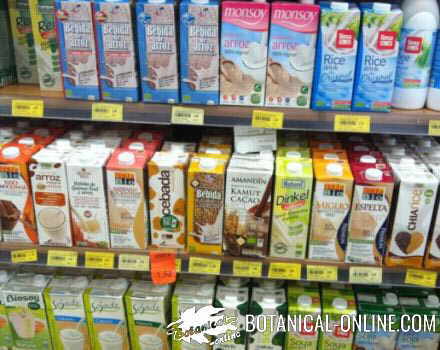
[244, 35]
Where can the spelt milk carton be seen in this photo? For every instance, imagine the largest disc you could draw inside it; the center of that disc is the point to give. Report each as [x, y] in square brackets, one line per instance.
[199, 51]
[244, 36]
[66, 314]
[5, 327]
[156, 25]
[291, 59]
[147, 308]
[77, 49]
[336, 56]
[116, 52]
[291, 208]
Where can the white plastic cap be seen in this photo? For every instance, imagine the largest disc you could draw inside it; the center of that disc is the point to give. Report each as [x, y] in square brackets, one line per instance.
[177, 148]
[10, 152]
[367, 159]
[126, 158]
[340, 303]
[6, 132]
[295, 168]
[331, 156]
[432, 301]
[208, 163]
[27, 141]
[381, 7]
[213, 151]
[304, 300]
[136, 146]
[3, 276]
[42, 132]
[39, 281]
[391, 299]
[373, 174]
[293, 155]
[334, 169]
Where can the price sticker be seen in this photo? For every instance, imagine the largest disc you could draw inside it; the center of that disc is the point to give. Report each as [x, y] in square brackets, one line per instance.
[267, 119]
[367, 275]
[288, 271]
[434, 128]
[188, 116]
[163, 267]
[97, 260]
[352, 123]
[322, 273]
[22, 256]
[133, 262]
[421, 278]
[27, 108]
[108, 111]
[244, 268]
[63, 258]
[178, 265]
[204, 265]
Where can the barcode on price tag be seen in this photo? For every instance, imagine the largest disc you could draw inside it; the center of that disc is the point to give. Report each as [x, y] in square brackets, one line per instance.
[188, 116]
[22, 256]
[352, 123]
[267, 119]
[421, 278]
[62, 258]
[133, 262]
[367, 275]
[322, 273]
[97, 260]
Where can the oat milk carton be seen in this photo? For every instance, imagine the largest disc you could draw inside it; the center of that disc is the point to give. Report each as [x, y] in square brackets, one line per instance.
[291, 208]
[77, 49]
[331, 209]
[66, 314]
[243, 61]
[167, 198]
[24, 302]
[5, 327]
[21, 29]
[105, 312]
[147, 308]
[248, 201]
[46, 45]
[199, 51]
[116, 54]
[293, 31]
[156, 26]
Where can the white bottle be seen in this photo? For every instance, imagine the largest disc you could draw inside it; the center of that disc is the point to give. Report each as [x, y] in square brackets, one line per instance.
[417, 40]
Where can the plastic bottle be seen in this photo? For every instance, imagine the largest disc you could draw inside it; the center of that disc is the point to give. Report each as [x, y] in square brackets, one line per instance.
[434, 83]
[417, 39]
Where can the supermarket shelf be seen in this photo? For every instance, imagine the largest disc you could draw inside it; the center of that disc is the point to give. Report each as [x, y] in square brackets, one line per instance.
[56, 107]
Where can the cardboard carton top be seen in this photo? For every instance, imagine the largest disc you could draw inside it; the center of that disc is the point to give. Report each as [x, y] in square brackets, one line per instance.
[208, 163]
[112, 287]
[332, 170]
[294, 168]
[125, 159]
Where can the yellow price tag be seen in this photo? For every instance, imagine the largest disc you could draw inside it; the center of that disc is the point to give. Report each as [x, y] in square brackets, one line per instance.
[204, 265]
[364, 274]
[134, 262]
[107, 111]
[97, 260]
[288, 271]
[267, 119]
[178, 265]
[434, 128]
[63, 258]
[421, 278]
[22, 256]
[244, 268]
[322, 273]
[27, 108]
[352, 123]
[189, 116]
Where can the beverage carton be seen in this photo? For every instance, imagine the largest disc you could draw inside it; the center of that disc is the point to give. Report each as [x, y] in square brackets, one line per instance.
[46, 45]
[248, 201]
[156, 29]
[291, 208]
[147, 308]
[77, 49]
[167, 198]
[116, 54]
[21, 29]
[331, 209]
[5, 328]
[199, 51]
[127, 202]
[244, 34]
[336, 56]
[252, 140]
[293, 31]
[66, 313]
[8, 71]
[105, 312]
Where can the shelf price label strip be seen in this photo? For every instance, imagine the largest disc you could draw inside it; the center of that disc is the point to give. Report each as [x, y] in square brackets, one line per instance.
[98, 260]
[187, 116]
[434, 128]
[352, 123]
[322, 273]
[133, 262]
[204, 265]
[244, 268]
[62, 258]
[289, 271]
[107, 112]
[366, 275]
[421, 278]
[23, 256]
[267, 119]
[27, 108]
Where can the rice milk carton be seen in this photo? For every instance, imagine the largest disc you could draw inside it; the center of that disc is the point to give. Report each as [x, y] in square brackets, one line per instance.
[105, 312]
[377, 57]
[156, 29]
[66, 314]
[5, 327]
[244, 36]
[77, 49]
[291, 208]
[21, 29]
[336, 56]
[116, 53]
[24, 302]
[46, 45]
[293, 31]
[199, 51]
[147, 308]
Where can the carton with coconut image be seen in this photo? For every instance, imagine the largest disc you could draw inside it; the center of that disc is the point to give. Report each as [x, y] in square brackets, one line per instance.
[336, 56]
[291, 54]
[243, 51]
[156, 29]
[5, 327]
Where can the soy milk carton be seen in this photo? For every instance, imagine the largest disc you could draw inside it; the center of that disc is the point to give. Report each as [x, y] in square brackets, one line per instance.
[199, 51]
[5, 327]
[243, 50]
[291, 60]
[157, 44]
